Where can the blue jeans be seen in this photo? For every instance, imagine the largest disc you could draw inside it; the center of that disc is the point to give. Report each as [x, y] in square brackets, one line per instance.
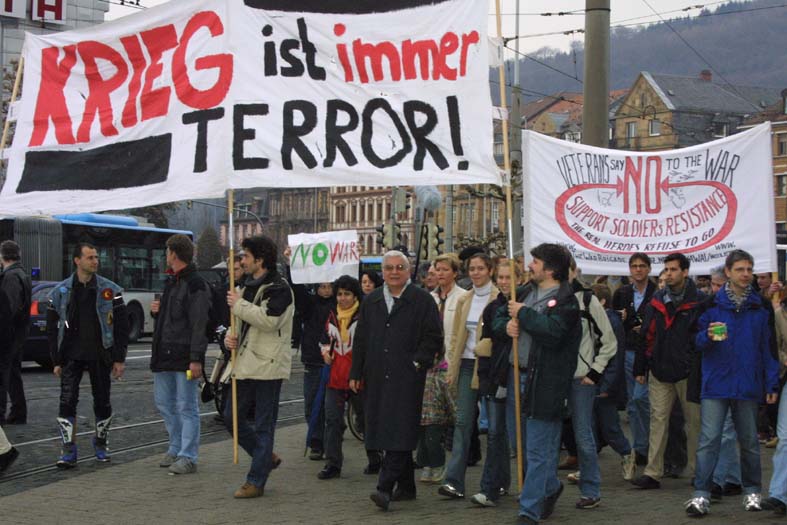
[728, 468]
[511, 414]
[638, 408]
[779, 478]
[256, 440]
[608, 426]
[497, 467]
[483, 416]
[581, 400]
[543, 448]
[176, 400]
[744, 417]
[311, 385]
[466, 401]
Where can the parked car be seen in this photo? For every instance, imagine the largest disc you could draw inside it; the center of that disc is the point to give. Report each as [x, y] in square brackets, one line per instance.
[36, 347]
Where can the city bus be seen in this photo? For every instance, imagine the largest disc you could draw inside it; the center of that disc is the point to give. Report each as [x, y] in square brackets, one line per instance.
[131, 253]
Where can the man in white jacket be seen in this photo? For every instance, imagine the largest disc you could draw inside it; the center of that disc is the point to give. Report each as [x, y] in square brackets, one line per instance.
[263, 310]
[599, 345]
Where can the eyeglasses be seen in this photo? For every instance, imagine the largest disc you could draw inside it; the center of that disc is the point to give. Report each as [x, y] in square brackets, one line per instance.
[392, 267]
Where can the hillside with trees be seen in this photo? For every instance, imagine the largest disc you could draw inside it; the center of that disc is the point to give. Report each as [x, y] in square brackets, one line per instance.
[743, 43]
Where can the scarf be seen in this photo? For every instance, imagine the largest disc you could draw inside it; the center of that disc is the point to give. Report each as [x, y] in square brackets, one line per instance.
[345, 317]
[677, 297]
[737, 300]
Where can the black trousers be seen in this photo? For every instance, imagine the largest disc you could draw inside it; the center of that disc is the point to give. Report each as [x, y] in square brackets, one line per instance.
[100, 381]
[397, 470]
[11, 386]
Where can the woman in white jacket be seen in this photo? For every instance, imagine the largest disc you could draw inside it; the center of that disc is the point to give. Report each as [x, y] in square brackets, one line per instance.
[438, 407]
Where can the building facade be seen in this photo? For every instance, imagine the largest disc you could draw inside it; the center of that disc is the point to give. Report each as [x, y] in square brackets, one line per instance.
[364, 208]
[776, 114]
[664, 112]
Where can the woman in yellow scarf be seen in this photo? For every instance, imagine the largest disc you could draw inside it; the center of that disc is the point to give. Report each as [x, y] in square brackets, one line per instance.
[337, 346]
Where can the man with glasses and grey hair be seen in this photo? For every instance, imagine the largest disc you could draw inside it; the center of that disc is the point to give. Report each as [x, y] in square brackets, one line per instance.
[398, 337]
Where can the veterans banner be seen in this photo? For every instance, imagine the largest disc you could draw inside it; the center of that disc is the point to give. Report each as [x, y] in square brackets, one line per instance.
[604, 205]
[187, 99]
[323, 257]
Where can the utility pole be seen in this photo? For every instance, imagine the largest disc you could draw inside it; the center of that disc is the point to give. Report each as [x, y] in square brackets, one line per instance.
[449, 219]
[595, 111]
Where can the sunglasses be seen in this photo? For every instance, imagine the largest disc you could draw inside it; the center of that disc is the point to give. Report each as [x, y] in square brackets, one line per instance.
[392, 267]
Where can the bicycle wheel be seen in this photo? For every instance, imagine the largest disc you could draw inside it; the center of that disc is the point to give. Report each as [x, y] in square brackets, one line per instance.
[354, 419]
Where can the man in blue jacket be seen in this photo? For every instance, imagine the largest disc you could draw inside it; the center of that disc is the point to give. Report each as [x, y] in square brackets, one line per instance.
[738, 370]
[87, 329]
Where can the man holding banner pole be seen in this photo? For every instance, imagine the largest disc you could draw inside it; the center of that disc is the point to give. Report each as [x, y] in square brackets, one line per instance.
[548, 330]
[263, 310]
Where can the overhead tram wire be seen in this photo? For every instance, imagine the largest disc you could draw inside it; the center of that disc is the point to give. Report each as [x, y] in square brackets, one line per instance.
[620, 24]
[125, 4]
[640, 114]
[701, 57]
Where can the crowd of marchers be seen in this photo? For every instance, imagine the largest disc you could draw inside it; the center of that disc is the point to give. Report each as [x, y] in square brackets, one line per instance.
[431, 358]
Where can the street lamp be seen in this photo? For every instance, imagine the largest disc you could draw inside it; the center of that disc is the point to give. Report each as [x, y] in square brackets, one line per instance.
[247, 212]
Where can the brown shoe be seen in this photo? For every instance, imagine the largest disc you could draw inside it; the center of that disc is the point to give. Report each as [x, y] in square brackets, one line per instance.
[248, 490]
[569, 463]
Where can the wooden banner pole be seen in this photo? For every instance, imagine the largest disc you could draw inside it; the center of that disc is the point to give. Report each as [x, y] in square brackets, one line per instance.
[512, 262]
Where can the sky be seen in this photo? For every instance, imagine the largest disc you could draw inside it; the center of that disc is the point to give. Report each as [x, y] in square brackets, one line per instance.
[530, 23]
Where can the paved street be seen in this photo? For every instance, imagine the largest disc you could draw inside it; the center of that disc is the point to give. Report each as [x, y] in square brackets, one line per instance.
[133, 489]
[137, 425]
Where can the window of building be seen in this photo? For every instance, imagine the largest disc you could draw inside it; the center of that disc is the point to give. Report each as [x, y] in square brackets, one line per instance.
[631, 130]
[782, 149]
[353, 212]
[495, 220]
[720, 129]
[781, 185]
[362, 212]
[380, 215]
[654, 128]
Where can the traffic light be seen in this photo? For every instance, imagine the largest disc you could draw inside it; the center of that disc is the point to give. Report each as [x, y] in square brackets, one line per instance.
[399, 199]
[381, 235]
[396, 234]
[434, 240]
[424, 252]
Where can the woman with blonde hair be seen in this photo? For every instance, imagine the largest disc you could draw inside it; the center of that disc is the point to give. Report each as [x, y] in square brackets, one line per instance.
[438, 405]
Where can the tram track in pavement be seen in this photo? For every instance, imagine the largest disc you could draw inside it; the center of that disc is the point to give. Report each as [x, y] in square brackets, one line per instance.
[42, 469]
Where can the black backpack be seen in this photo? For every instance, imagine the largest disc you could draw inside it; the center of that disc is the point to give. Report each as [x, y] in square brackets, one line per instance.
[219, 311]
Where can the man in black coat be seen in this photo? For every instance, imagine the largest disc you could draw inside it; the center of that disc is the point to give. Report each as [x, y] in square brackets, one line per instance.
[15, 286]
[398, 337]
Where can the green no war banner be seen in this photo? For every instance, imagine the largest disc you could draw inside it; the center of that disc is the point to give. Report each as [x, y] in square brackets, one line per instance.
[323, 257]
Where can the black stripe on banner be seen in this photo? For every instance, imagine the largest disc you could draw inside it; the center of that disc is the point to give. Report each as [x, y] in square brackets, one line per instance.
[341, 7]
[122, 165]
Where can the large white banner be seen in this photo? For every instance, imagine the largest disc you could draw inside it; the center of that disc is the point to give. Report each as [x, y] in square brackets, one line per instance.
[604, 205]
[187, 99]
[323, 257]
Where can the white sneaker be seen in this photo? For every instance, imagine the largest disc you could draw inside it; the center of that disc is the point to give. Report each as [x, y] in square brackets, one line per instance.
[438, 473]
[752, 503]
[697, 506]
[629, 466]
[573, 477]
[481, 500]
[426, 475]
